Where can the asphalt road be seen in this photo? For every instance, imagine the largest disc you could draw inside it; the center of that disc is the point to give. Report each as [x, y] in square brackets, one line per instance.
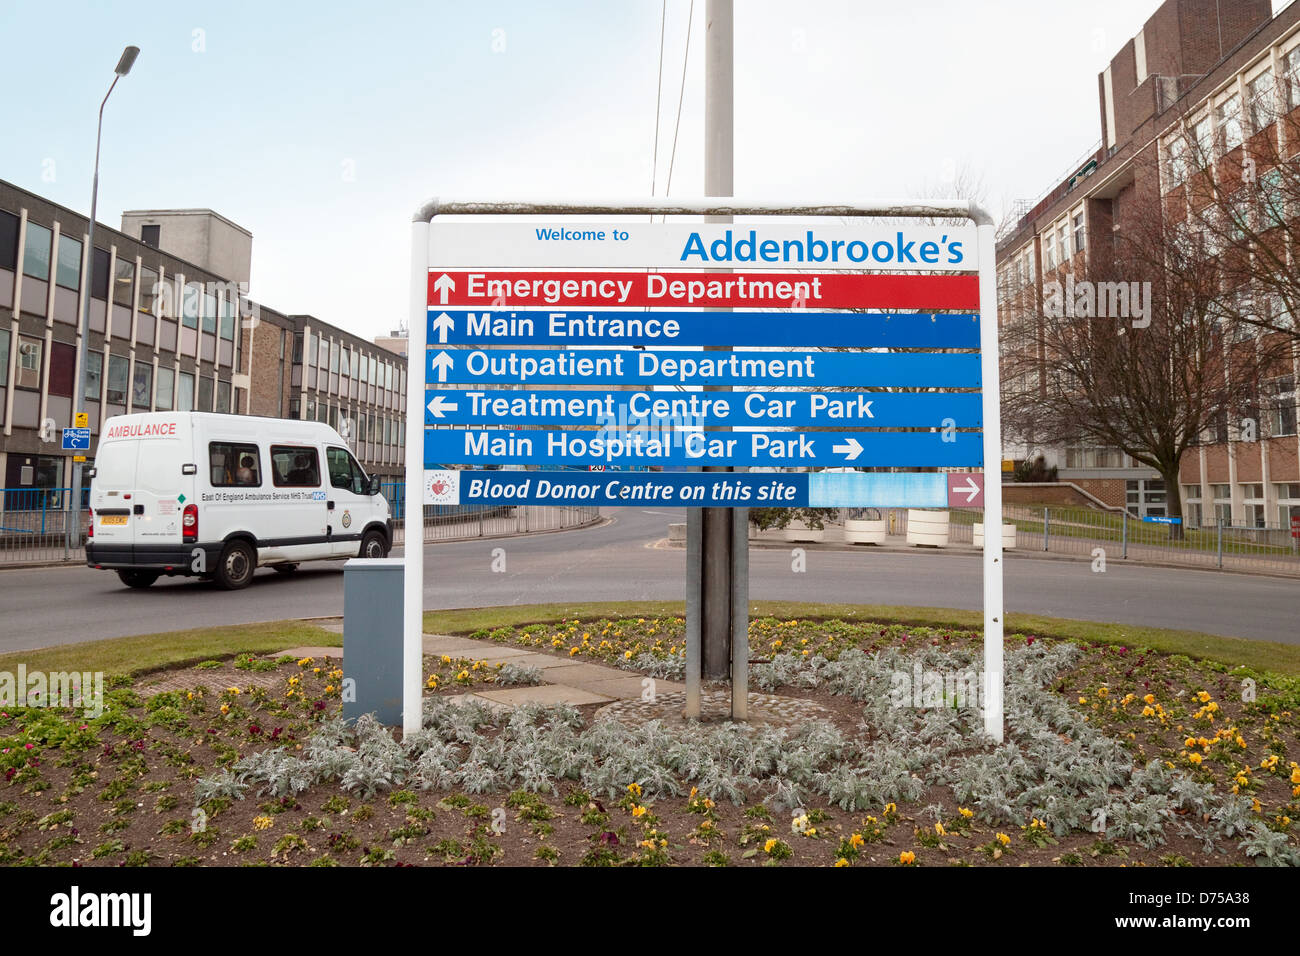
[618, 561]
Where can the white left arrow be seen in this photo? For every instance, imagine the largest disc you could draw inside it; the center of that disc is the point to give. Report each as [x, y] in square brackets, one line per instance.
[442, 363]
[850, 449]
[443, 324]
[439, 405]
[444, 285]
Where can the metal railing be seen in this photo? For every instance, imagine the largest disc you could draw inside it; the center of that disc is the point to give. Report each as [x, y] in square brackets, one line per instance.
[34, 522]
[1120, 535]
[452, 522]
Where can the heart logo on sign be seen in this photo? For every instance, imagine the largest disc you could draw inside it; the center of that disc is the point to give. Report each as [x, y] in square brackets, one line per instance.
[439, 487]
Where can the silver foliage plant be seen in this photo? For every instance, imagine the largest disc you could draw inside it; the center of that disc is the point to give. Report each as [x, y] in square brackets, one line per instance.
[1053, 765]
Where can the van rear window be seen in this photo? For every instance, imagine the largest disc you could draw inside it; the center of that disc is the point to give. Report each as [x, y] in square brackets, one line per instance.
[234, 464]
[294, 466]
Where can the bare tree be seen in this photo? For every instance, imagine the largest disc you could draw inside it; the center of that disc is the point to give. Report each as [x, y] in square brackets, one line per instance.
[1133, 354]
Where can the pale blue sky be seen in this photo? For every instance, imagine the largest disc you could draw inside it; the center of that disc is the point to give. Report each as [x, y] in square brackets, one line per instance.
[320, 126]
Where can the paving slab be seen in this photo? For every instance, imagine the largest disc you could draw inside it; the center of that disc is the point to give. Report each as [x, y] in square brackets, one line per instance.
[446, 644]
[630, 688]
[492, 653]
[544, 694]
[460, 700]
[580, 673]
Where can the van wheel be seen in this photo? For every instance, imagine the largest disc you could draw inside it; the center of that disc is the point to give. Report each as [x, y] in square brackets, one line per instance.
[236, 567]
[373, 545]
[137, 579]
[285, 568]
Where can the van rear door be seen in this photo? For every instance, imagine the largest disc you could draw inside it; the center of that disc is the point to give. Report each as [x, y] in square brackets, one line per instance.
[138, 492]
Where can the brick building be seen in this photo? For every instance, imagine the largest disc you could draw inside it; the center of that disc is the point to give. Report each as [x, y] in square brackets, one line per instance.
[1183, 98]
[165, 333]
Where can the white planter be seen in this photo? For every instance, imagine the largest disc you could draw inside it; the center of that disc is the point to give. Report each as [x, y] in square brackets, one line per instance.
[863, 531]
[799, 531]
[1008, 536]
[927, 528]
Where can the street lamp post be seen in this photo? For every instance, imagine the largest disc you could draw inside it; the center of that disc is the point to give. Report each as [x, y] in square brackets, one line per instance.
[79, 401]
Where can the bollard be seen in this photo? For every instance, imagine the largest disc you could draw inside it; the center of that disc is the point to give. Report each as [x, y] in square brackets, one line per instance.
[372, 639]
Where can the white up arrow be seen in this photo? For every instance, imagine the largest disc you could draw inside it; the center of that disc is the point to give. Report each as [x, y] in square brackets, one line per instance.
[442, 362]
[970, 491]
[443, 285]
[850, 450]
[443, 324]
[439, 405]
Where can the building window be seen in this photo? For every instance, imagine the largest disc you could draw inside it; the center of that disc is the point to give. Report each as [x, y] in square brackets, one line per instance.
[1049, 251]
[223, 397]
[1253, 498]
[1078, 237]
[234, 463]
[119, 369]
[142, 386]
[67, 272]
[29, 362]
[94, 375]
[149, 235]
[1176, 160]
[8, 241]
[334, 357]
[1291, 64]
[1193, 512]
[166, 385]
[99, 274]
[1262, 108]
[63, 369]
[1282, 407]
[228, 304]
[1229, 119]
[1203, 136]
[4, 357]
[36, 252]
[205, 394]
[190, 306]
[123, 279]
[185, 393]
[1288, 502]
[345, 365]
[148, 289]
[297, 348]
[210, 313]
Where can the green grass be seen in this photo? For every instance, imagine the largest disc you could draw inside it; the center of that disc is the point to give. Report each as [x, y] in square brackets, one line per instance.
[149, 652]
[145, 653]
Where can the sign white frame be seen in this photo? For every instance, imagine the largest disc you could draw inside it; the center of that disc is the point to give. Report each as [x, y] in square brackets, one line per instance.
[421, 227]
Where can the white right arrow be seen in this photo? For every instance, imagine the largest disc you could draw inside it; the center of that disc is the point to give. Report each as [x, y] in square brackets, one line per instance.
[850, 450]
[439, 404]
[970, 491]
[442, 363]
[443, 324]
[443, 285]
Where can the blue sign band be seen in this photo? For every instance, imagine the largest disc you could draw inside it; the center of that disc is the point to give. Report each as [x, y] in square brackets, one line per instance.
[519, 408]
[774, 449]
[705, 489]
[642, 368]
[801, 329]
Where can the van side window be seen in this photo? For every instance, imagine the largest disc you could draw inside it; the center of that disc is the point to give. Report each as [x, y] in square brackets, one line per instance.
[234, 464]
[345, 472]
[295, 466]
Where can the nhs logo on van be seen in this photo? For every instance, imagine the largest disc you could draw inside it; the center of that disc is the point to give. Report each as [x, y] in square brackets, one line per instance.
[318, 496]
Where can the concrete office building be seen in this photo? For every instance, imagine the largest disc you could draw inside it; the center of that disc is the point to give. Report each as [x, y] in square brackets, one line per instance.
[166, 332]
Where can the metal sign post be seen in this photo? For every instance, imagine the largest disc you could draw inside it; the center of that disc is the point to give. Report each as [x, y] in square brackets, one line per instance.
[540, 304]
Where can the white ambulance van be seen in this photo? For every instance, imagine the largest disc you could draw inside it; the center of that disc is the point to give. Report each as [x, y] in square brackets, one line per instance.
[195, 493]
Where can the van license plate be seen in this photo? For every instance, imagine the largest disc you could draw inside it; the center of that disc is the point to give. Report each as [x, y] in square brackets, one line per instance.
[112, 519]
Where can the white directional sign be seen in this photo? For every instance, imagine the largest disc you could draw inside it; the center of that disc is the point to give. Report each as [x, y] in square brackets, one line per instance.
[577, 354]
